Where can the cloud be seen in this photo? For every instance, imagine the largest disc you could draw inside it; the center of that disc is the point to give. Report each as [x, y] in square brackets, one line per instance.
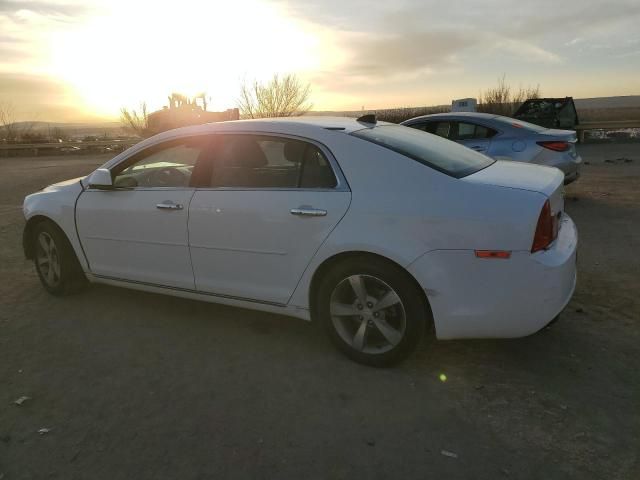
[395, 53]
[49, 8]
[526, 51]
[36, 97]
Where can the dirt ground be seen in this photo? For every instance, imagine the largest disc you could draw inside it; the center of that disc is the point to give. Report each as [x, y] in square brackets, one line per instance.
[135, 386]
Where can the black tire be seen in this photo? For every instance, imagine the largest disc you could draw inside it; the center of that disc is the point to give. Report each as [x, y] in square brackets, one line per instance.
[375, 272]
[68, 277]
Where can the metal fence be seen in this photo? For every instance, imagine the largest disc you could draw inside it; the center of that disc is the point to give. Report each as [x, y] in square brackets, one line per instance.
[582, 128]
[65, 148]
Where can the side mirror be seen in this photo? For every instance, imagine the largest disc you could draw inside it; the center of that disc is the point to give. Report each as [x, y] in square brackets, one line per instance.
[101, 179]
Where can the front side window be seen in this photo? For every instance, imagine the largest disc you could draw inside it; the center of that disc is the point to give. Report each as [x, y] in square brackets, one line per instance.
[169, 164]
[261, 161]
[438, 153]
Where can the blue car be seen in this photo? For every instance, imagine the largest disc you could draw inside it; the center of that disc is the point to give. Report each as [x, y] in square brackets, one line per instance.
[504, 138]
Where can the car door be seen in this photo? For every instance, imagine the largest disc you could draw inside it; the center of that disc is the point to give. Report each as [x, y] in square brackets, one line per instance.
[137, 231]
[473, 136]
[272, 200]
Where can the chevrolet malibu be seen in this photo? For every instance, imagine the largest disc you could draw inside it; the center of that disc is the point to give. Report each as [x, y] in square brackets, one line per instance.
[379, 232]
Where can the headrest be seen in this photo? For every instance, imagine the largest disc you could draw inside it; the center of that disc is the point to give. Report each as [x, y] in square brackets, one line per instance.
[246, 153]
[293, 151]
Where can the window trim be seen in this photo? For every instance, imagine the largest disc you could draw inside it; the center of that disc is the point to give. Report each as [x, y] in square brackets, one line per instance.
[452, 119]
[341, 182]
[475, 125]
[342, 185]
[143, 153]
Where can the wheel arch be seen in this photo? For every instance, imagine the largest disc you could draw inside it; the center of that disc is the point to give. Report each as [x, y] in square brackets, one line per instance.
[329, 262]
[29, 228]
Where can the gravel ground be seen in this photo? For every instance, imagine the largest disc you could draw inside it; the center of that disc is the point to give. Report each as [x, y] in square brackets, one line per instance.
[134, 385]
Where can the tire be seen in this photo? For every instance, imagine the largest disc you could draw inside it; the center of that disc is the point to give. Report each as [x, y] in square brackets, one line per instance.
[359, 324]
[56, 263]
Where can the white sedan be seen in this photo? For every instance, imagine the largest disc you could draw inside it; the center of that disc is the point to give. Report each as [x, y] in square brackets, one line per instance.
[378, 231]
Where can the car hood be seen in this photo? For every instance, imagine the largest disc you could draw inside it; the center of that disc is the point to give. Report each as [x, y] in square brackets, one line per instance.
[63, 185]
[521, 176]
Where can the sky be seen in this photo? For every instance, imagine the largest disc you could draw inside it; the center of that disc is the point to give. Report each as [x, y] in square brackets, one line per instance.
[83, 60]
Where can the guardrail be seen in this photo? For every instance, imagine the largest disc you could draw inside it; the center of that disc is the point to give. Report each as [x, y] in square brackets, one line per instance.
[70, 146]
[586, 126]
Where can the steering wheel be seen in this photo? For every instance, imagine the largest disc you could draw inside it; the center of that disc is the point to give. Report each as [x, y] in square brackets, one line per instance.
[166, 177]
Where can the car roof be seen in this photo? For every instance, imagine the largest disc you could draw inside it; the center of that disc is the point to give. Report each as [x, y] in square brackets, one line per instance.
[280, 125]
[313, 127]
[478, 115]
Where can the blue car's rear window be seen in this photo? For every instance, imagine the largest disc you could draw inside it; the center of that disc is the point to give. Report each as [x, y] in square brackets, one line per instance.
[436, 152]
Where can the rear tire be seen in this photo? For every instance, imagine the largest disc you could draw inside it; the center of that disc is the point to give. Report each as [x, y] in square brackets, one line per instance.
[372, 310]
[56, 263]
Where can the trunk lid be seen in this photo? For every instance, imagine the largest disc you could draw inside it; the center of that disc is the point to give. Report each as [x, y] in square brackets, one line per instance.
[523, 176]
[555, 134]
[568, 136]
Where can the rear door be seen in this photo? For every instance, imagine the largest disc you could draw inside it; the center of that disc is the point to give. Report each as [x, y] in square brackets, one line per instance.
[271, 202]
[472, 135]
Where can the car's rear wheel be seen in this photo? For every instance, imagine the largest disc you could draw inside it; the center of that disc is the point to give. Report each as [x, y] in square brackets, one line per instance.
[372, 310]
[55, 260]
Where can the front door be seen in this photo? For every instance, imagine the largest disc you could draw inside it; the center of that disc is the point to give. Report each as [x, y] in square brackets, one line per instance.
[271, 202]
[138, 230]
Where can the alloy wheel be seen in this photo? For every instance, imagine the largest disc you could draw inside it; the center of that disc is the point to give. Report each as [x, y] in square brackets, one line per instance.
[368, 314]
[48, 259]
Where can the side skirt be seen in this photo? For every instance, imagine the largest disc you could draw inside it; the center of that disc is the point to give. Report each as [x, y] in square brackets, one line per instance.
[249, 304]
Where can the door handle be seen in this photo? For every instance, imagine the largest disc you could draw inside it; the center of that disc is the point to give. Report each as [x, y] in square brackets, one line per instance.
[169, 206]
[308, 212]
[477, 147]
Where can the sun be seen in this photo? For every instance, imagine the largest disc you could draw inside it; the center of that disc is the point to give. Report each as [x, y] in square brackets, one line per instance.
[133, 52]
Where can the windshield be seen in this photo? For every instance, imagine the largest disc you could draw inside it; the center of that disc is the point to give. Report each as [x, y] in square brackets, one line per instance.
[512, 122]
[436, 152]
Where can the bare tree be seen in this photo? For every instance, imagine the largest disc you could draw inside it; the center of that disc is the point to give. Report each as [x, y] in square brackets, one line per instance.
[397, 115]
[7, 122]
[11, 130]
[283, 96]
[501, 100]
[135, 121]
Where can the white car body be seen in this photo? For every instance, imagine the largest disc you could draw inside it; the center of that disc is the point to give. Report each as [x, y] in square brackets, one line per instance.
[243, 247]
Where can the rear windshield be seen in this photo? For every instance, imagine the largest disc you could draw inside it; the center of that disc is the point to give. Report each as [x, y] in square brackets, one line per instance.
[436, 152]
[516, 123]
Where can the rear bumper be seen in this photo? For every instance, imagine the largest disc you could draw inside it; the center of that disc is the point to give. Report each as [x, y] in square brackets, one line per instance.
[569, 165]
[571, 177]
[493, 298]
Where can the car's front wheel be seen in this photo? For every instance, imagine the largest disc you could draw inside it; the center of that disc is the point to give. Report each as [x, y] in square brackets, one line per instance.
[372, 310]
[55, 260]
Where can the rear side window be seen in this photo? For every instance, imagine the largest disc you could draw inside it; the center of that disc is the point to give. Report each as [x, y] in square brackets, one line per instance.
[255, 161]
[471, 131]
[442, 155]
[442, 129]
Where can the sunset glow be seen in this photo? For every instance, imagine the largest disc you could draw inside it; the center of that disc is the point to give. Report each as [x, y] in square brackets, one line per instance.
[115, 60]
[71, 59]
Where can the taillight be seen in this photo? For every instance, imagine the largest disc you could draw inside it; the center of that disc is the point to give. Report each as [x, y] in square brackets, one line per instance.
[546, 229]
[556, 146]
